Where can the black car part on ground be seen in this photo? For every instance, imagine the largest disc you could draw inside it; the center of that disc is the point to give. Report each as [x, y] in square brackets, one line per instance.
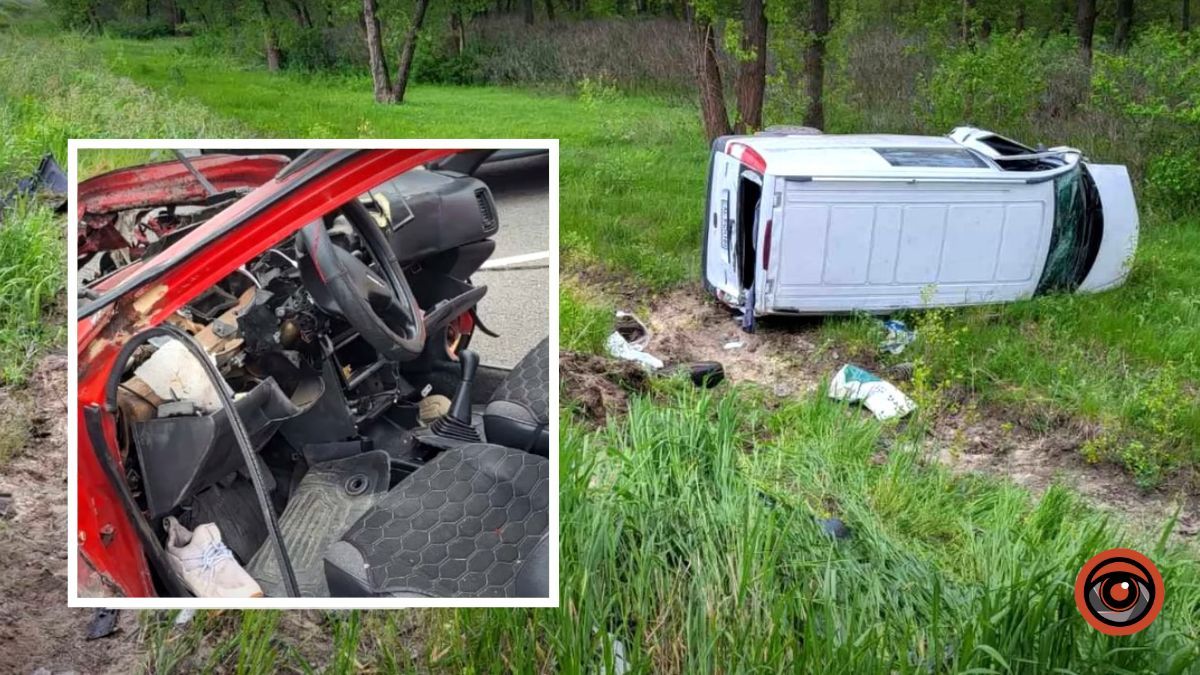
[49, 179]
[240, 434]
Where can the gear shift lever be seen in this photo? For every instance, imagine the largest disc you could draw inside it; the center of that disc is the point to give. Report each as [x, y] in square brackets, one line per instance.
[460, 408]
[456, 423]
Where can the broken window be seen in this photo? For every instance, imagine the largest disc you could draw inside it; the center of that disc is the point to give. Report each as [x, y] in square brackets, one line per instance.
[1078, 227]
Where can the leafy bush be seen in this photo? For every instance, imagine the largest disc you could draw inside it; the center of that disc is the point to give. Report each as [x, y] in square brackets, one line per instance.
[995, 85]
[138, 30]
[442, 66]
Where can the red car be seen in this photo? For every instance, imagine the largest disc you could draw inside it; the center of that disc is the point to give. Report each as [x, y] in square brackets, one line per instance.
[278, 347]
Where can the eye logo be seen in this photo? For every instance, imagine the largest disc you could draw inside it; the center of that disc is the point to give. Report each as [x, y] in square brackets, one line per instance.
[1119, 592]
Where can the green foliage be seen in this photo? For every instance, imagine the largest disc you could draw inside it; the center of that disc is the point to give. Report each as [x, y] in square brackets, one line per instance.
[139, 29]
[1173, 179]
[995, 85]
[434, 65]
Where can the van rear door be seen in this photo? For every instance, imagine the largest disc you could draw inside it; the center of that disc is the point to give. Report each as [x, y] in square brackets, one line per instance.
[877, 245]
[720, 239]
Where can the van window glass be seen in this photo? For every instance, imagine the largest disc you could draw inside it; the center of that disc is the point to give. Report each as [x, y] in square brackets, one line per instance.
[959, 158]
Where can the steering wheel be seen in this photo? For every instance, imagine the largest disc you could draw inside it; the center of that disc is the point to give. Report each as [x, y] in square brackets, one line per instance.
[382, 310]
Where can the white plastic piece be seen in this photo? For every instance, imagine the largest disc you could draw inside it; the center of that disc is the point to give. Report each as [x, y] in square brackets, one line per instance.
[855, 385]
[620, 348]
[175, 375]
[736, 344]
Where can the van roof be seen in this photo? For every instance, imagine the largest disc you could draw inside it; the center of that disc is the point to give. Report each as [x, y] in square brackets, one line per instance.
[848, 154]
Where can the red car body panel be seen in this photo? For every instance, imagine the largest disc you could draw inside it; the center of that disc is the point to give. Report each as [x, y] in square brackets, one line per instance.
[162, 184]
[108, 543]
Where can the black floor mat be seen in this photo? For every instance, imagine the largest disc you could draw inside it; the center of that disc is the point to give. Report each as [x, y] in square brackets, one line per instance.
[330, 498]
[234, 509]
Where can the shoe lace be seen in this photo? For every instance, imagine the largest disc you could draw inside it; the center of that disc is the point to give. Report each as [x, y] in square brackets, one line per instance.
[212, 555]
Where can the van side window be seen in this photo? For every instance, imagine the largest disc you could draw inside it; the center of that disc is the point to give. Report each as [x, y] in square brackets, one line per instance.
[958, 158]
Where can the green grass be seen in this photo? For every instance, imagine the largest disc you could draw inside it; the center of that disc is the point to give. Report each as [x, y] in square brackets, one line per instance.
[687, 527]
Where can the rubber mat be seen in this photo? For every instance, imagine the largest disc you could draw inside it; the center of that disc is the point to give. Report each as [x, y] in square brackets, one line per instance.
[329, 499]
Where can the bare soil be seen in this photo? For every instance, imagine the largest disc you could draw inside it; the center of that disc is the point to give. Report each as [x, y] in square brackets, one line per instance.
[787, 358]
[1000, 444]
[37, 629]
[686, 327]
[599, 387]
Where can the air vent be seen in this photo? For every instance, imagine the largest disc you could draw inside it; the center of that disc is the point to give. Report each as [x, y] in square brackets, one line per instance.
[486, 208]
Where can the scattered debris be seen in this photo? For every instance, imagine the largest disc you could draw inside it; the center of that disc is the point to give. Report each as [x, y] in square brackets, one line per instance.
[735, 344]
[103, 623]
[7, 505]
[899, 336]
[620, 664]
[49, 180]
[707, 374]
[184, 617]
[834, 527]
[629, 341]
[856, 385]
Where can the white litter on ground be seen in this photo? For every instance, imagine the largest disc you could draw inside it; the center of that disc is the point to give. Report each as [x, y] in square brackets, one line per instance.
[856, 385]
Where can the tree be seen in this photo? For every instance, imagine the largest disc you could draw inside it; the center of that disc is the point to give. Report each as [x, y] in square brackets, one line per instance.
[1124, 24]
[527, 11]
[375, 56]
[406, 52]
[751, 81]
[1085, 27]
[814, 64]
[270, 38]
[708, 76]
[1185, 16]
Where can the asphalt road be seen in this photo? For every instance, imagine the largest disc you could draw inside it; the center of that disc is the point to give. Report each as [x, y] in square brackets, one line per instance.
[517, 302]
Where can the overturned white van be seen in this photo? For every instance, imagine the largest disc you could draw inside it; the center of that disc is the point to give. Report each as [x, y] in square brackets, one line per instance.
[815, 223]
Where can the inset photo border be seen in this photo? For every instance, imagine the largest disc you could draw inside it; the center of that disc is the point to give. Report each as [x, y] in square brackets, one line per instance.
[382, 318]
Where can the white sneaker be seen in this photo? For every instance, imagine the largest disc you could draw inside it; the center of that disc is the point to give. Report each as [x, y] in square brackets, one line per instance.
[205, 564]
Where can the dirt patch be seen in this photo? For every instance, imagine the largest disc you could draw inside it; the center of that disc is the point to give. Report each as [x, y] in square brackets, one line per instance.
[37, 630]
[686, 326]
[999, 444]
[599, 386]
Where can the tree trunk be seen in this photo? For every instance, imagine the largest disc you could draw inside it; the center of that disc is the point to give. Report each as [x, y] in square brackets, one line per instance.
[406, 52]
[814, 64]
[527, 11]
[270, 39]
[379, 69]
[1124, 25]
[458, 32]
[1185, 16]
[303, 17]
[751, 78]
[708, 77]
[549, 10]
[1085, 27]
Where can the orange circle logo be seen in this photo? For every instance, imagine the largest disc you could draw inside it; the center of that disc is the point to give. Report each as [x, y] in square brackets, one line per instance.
[1119, 592]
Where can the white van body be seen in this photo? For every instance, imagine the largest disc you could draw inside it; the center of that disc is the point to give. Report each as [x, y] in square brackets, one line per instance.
[814, 224]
